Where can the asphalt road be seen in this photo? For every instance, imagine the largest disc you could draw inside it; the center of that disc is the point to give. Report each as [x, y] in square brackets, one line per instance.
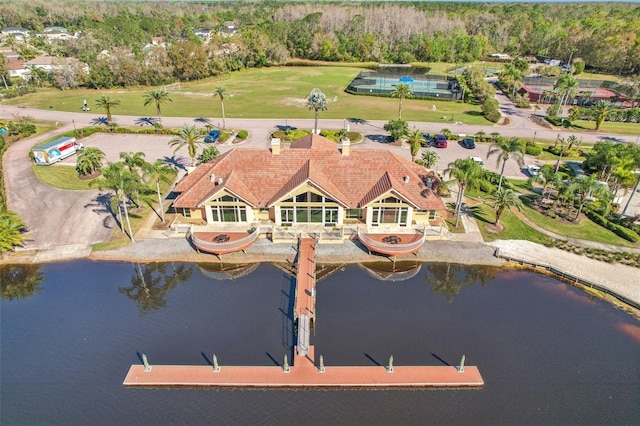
[64, 218]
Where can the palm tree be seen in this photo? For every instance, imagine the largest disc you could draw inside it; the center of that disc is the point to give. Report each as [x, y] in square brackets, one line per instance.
[567, 86]
[106, 102]
[464, 172]
[547, 177]
[317, 101]
[158, 172]
[505, 198]
[415, 139]
[11, 230]
[89, 160]
[122, 182]
[601, 109]
[584, 187]
[209, 153]
[221, 92]
[507, 149]
[401, 91]
[157, 97]
[189, 136]
[511, 76]
[429, 158]
[135, 163]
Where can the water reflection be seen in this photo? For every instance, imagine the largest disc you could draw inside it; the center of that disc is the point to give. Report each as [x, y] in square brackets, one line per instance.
[151, 282]
[226, 271]
[448, 279]
[19, 282]
[394, 272]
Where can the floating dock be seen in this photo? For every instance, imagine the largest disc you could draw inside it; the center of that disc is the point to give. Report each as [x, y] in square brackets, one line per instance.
[304, 371]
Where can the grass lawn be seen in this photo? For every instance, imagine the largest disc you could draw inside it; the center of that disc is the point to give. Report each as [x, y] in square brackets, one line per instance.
[585, 230]
[632, 129]
[60, 176]
[514, 228]
[276, 92]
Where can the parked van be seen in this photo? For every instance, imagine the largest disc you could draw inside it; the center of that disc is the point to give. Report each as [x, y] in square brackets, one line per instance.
[56, 150]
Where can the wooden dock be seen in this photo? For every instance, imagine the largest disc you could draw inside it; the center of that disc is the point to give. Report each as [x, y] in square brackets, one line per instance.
[304, 374]
[304, 371]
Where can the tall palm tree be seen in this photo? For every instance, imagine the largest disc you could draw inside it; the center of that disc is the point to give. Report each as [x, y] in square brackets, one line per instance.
[189, 136]
[11, 230]
[159, 172]
[316, 101]
[89, 161]
[122, 182]
[221, 92]
[507, 149]
[547, 177]
[107, 103]
[464, 172]
[601, 109]
[584, 187]
[135, 163]
[415, 139]
[401, 91]
[567, 85]
[503, 199]
[157, 97]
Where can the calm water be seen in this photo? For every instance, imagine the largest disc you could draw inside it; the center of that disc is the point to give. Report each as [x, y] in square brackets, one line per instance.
[548, 354]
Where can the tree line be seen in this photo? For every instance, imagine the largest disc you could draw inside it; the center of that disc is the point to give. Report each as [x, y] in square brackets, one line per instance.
[113, 35]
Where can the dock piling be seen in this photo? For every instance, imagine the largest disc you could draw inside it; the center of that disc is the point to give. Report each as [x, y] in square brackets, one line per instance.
[145, 361]
[216, 366]
[285, 367]
[321, 368]
[390, 366]
[461, 367]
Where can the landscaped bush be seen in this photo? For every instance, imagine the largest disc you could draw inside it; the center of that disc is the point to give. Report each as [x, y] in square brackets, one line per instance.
[533, 150]
[290, 135]
[619, 230]
[493, 116]
[242, 134]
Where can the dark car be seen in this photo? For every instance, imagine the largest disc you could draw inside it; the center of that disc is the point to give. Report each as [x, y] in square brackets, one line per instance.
[428, 140]
[468, 143]
[441, 141]
[212, 136]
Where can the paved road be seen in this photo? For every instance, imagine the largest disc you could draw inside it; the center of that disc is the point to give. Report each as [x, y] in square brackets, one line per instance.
[59, 218]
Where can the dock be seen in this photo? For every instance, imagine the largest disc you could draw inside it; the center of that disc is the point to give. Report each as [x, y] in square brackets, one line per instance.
[305, 371]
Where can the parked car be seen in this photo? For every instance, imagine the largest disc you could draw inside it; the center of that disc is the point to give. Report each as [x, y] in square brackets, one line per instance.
[212, 136]
[468, 143]
[441, 141]
[477, 160]
[428, 140]
[533, 170]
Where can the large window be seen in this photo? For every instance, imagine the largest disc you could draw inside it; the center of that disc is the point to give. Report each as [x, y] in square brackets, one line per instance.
[389, 215]
[229, 213]
[308, 207]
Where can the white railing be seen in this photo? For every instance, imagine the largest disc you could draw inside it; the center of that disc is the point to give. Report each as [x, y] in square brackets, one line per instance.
[225, 246]
[379, 246]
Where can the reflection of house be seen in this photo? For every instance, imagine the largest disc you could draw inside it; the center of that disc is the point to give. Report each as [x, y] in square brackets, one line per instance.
[311, 182]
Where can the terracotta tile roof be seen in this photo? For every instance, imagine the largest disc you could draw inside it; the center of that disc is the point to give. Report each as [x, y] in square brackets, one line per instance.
[355, 179]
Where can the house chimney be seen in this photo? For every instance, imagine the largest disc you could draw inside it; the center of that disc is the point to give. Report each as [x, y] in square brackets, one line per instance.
[346, 146]
[219, 181]
[275, 146]
[406, 179]
[212, 177]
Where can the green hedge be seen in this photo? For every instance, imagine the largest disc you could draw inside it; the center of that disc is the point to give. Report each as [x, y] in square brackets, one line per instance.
[242, 134]
[619, 230]
[533, 150]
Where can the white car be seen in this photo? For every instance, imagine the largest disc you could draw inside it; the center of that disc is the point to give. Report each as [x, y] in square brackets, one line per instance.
[477, 160]
[533, 170]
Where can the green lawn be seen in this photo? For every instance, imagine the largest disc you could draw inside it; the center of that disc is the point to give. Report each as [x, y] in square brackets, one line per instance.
[276, 92]
[514, 228]
[632, 129]
[60, 176]
[585, 230]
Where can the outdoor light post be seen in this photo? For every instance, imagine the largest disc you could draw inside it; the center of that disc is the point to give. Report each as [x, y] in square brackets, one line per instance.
[75, 131]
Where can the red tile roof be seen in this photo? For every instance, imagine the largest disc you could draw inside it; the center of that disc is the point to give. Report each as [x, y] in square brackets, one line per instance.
[261, 178]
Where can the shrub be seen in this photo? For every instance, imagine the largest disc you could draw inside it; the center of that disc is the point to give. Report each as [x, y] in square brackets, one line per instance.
[619, 230]
[242, 134]
[533, 150]
[493, 116]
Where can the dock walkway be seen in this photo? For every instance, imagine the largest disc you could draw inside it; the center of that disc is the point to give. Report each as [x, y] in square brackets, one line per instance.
[305, 292]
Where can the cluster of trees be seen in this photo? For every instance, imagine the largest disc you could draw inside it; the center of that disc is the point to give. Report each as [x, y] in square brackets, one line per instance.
[602, 35]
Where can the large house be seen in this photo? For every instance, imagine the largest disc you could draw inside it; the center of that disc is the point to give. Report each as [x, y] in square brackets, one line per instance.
[312, 182]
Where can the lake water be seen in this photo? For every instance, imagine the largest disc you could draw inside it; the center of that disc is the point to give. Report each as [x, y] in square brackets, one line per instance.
[547, 352]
